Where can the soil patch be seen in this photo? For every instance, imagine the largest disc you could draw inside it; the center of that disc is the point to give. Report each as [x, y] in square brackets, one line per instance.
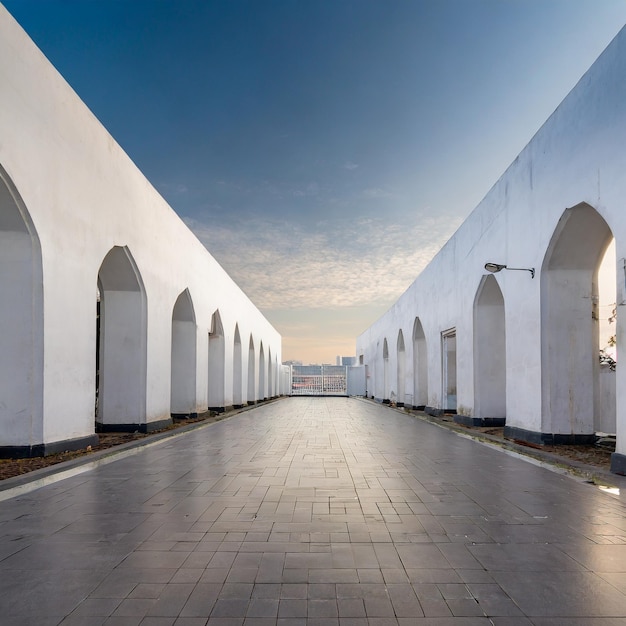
[597, 456]
[16, 467]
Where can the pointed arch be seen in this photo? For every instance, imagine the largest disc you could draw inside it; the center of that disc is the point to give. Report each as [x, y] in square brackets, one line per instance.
[122, 366]
[262, 392]
[217, 363]
[569, 325]
[251, 372]
[449, 367]
[420, 366]
[21, 321]
[270, 374]
[489, 352]
[401, 368]
[183, 357]
[237, 370]
[385, 371]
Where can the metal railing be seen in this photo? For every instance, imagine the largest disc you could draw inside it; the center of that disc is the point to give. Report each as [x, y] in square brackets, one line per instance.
[319, 380]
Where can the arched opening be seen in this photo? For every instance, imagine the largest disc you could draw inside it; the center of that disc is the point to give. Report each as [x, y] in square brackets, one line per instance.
[489, 353]
[217, 358]
[21, 323]
[420, 367]
[183, 372]
[401, 369]
[385, 372]
[270, 374]
[251, 373]
[448, 352]
[606, 415]
[570, 327]
[237, 372]
[122, 335]
[262, 389]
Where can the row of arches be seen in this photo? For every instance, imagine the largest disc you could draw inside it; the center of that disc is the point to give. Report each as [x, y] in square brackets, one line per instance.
[419, 368]
[486, 356]
[121, 353]
[120, 384]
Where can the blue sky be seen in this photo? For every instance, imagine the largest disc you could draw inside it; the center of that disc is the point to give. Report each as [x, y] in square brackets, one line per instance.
[323, 151]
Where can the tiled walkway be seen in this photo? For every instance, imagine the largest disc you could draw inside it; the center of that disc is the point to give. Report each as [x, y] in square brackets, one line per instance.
[323, 511]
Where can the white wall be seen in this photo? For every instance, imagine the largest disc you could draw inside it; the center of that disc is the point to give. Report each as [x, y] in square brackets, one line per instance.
[84, 196]
[356, 380]
[576, 159]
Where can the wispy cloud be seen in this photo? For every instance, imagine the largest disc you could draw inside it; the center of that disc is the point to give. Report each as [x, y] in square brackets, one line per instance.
[349, 165]
[365, 262]
[312, 189]
[172, 188]
[377, 192]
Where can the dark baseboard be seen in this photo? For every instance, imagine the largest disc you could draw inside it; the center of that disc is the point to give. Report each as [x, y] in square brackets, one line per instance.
[548, 439]
[480, 422]
[184, 416]
[46, 449]
[431, 410]
[149, 427]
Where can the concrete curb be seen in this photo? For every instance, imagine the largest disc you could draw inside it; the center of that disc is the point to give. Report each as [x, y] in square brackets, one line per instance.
[25, 483]
[576, 469]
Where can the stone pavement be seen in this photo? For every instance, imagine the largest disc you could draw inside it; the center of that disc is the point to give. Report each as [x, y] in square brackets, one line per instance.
[315, 511]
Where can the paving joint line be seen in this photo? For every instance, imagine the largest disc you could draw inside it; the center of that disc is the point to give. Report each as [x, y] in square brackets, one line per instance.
[30, 481]
[568, 467]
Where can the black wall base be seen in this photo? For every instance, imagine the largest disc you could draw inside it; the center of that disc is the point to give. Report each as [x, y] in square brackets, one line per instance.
[480, 422]
[184, 416]
[46, 449]
[618, 463]
[419, 407]
[548, 439]
[431, 410]
[150, 427]
[221, 409]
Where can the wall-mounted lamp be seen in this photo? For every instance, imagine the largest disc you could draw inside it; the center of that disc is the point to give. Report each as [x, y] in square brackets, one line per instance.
[496, 267]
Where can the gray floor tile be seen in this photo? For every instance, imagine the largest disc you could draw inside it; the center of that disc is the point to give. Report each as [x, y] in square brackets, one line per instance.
[230, 607]
[288, 608]
[562, 594]
[322, 607]
[315, 512]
